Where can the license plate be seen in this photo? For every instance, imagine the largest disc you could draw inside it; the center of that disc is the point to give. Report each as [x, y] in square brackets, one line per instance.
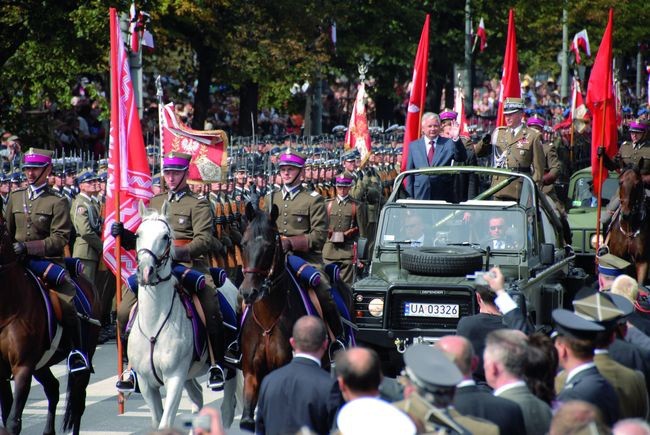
[416, 309]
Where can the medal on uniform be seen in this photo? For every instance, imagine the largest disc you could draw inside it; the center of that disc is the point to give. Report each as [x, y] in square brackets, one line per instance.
[181, 220]
[299, 218]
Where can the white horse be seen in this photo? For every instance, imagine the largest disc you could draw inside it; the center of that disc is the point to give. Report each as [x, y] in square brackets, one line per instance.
[161, 344]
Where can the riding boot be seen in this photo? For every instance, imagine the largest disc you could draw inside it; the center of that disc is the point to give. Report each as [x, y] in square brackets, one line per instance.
[330, 313]
[214, 329]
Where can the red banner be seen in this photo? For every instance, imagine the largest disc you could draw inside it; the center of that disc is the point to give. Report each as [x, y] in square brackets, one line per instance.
[602, 105]
[358, 135]
[208, 148]
[129, 177]
[510, 85]
[418, 92]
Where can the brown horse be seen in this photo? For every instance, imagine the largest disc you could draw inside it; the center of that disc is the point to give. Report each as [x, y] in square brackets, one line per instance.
[272, 307]
[630, 228]
[24, 339]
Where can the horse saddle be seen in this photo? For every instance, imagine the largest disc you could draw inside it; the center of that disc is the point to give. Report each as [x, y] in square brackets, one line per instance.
[50, 275]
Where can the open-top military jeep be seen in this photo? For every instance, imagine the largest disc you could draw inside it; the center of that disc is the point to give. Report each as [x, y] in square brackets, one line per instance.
[422, 274]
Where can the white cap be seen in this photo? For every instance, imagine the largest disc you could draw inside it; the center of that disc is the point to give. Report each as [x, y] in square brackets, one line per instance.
[373, 416]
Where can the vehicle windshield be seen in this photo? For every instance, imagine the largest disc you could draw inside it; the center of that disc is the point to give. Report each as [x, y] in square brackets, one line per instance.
[500, 229]
[583, 193]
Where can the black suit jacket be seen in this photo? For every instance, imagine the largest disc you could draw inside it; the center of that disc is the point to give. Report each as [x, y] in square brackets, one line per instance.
[298, 394]
[470, 400]
[589, 385]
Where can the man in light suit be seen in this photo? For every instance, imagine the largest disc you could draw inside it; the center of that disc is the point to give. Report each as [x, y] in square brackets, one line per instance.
[433, 150]
[301, 393]
[503, 361]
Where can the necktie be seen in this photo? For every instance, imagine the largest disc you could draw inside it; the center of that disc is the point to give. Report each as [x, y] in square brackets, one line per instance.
[430, 153]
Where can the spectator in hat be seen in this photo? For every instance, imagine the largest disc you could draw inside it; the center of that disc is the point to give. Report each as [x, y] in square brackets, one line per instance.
[575, 342]
[431, 378]
[609, 310]
[609, 267]
[301, 393]
[504, 362]
[433, 150]
[470, 399]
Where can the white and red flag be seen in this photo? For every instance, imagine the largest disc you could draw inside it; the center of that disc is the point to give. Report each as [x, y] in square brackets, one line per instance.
[129, 177]
[510, 84]
[208, 148]
[358, 135]
[580, 42]
[140, 35]
[481, 35]
[418, 93]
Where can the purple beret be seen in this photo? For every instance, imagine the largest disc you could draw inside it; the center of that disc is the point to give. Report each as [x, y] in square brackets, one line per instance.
[536, 122]
[292, 158]
[448, 115]
[637, 127]
[345, 179]
[176, 161]
[37, 158]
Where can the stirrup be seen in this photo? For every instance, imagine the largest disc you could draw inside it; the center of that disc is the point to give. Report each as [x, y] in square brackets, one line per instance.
[334, 347]
[75, 353]
[216, 385]
[233, 353]
[123, 386]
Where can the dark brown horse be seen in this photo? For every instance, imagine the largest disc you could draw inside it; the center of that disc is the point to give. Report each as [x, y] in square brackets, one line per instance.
[24, 339]
[629, 231]
[272, 306]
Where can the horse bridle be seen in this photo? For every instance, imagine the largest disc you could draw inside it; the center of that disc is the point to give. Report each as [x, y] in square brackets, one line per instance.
[267, 274]
[638, 209]
[164, 257]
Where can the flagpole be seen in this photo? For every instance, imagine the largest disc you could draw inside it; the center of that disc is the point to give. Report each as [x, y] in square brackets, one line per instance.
[601, 152]
[116, 194]
[159, 95]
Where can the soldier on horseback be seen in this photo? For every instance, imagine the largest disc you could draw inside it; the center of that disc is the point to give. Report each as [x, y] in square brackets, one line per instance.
[191, 220]
[38, 220]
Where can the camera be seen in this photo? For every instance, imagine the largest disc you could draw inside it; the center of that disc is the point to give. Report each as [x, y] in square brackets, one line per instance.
[479, 277]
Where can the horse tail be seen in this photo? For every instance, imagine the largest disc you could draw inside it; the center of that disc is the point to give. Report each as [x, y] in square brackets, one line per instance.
[75, 400]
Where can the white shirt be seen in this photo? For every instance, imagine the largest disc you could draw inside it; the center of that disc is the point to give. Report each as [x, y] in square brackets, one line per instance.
[305, 355]
[517, 129]
[507, 387]
[580, 368]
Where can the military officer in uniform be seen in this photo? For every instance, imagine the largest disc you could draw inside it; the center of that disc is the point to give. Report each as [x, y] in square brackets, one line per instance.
[431, 378]
[515, 147]
[633, 152]
[39, 222]
[87, 224]
[302, 223]
[347, 222]
[5, 189]
[191, 221]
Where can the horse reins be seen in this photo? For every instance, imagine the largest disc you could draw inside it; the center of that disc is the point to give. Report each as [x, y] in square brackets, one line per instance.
[154, 339]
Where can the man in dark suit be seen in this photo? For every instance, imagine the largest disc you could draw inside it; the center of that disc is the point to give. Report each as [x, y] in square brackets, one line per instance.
[470, 400]
[300, 393]
[433, 150]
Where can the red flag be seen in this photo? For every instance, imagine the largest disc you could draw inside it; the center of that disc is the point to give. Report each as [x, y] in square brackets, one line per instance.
[129, 176]
[510, 85]
[481, 35]
[601, 104]
[358, 134]
[208, 148]
[459, 108]
[418, 92]
[580, 41]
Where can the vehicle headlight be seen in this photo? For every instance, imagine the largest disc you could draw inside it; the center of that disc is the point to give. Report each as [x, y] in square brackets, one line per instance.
[594, 240]
[376, 307]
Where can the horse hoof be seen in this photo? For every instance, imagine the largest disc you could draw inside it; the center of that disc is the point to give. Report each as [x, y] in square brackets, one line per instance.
[247, 423]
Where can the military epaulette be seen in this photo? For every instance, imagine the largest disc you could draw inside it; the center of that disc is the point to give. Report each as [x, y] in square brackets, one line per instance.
[18, 190]
[314, 193]
[55, 193]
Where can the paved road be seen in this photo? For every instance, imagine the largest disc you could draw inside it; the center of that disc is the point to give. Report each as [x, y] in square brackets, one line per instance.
[101, 416]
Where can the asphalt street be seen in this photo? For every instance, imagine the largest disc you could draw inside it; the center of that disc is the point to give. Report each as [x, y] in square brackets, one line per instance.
[101, 416]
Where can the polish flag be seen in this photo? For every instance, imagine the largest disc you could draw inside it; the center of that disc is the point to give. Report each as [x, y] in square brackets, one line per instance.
[580, 42]
[480, 33]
